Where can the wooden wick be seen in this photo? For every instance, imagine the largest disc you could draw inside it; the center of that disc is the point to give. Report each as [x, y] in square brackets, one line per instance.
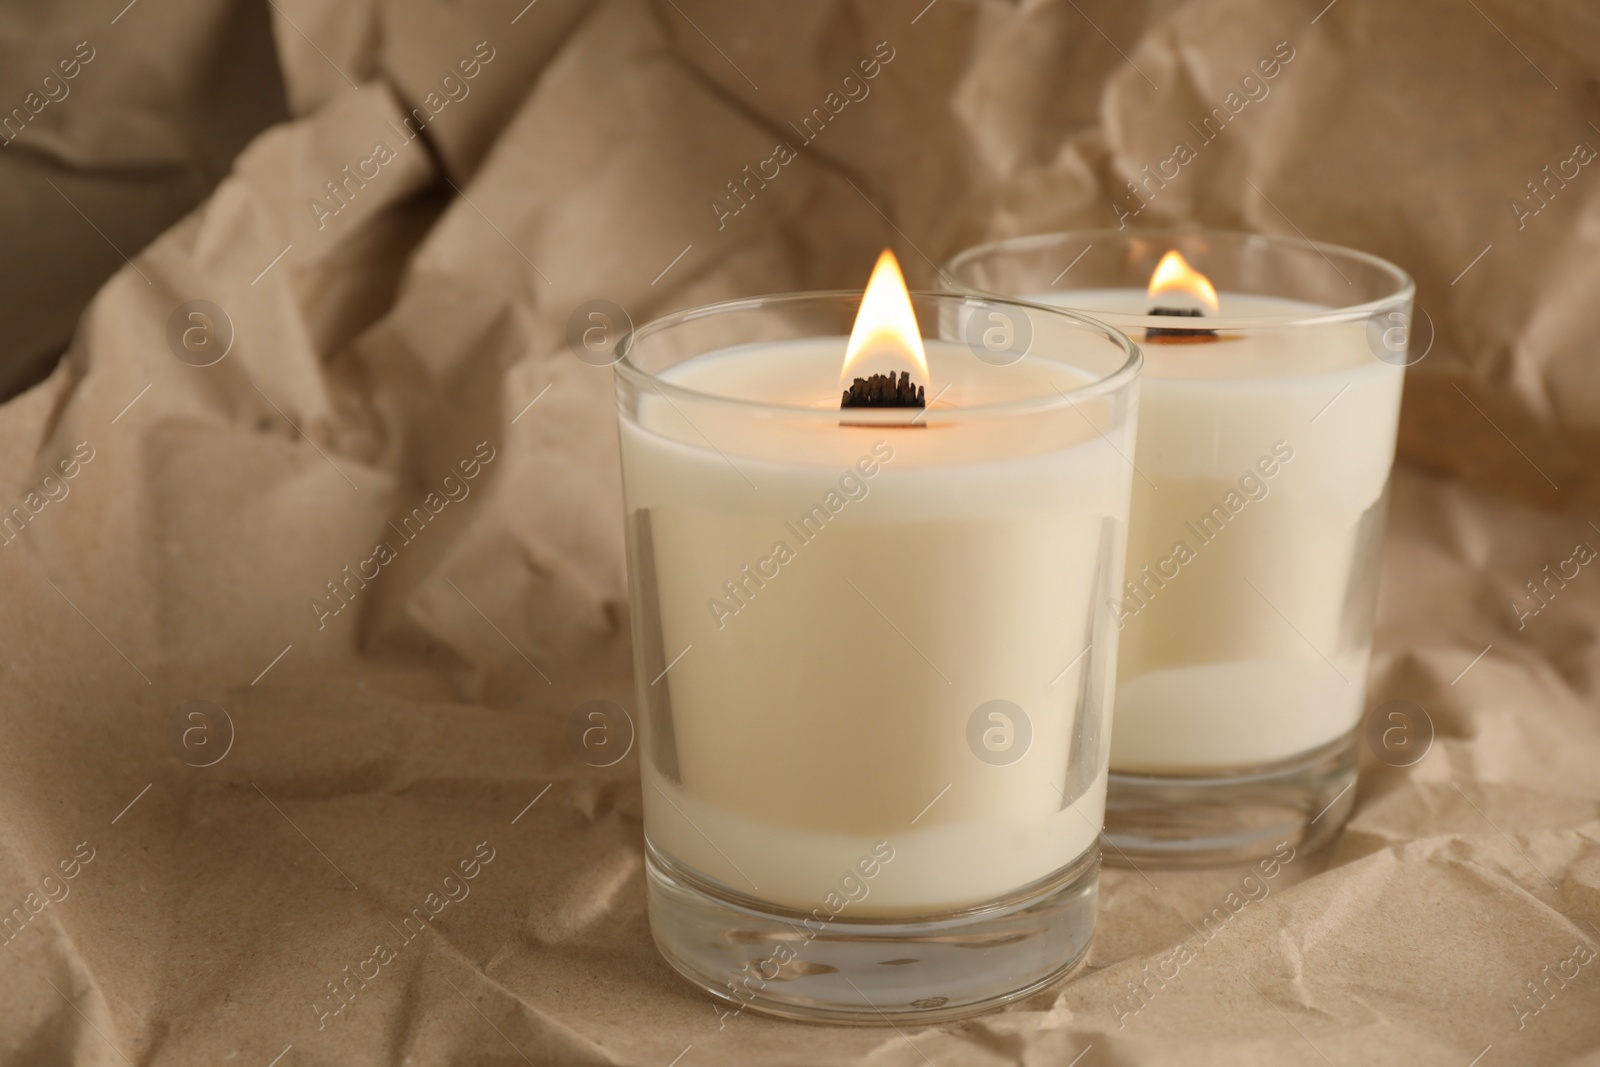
[883, 391]
[1160, 335]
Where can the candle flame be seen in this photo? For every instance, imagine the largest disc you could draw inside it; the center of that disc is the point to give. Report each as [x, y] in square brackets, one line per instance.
[885, 338]
[1174, 275]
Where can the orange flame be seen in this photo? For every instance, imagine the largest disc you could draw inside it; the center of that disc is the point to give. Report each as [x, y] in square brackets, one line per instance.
[1174, 275]
[885, 338]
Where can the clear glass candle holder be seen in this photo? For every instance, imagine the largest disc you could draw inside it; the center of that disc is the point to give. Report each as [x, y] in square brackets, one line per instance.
[872, 650]
[1263, 458]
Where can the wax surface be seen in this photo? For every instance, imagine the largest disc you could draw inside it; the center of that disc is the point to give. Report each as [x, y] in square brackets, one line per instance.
[848, 597]
[1246, 641]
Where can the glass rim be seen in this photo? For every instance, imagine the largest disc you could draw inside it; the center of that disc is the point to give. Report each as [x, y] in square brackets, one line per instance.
[1121, 377]
[1404, 289]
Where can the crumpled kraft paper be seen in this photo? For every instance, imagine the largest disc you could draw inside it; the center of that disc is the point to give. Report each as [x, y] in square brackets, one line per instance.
[112, 127]
[383, 783]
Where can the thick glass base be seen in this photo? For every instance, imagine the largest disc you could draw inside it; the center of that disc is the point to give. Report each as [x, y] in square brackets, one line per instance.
[1231, 816]
[845, 969]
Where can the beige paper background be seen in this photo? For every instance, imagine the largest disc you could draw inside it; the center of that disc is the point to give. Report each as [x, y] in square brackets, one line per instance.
[378, 752]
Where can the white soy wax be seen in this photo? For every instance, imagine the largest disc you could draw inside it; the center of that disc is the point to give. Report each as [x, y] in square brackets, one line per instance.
[831, 603]
[1263, 461]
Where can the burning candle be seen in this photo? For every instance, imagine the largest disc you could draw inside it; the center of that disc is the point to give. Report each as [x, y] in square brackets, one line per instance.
[1269, 411]
[869, 566]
